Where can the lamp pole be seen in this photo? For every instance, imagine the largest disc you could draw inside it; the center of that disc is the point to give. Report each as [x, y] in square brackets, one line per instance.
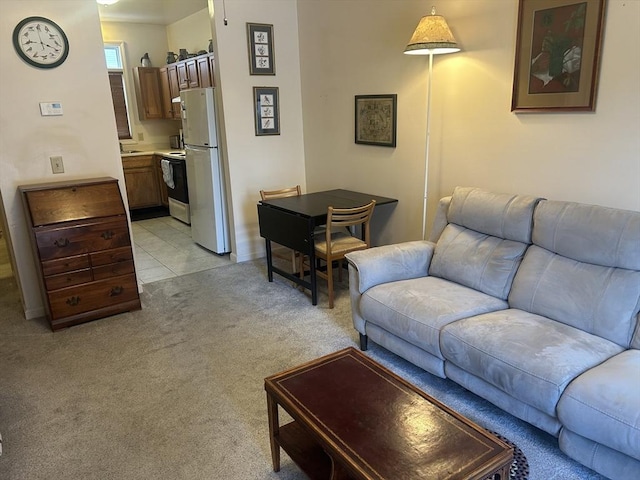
[426, 151]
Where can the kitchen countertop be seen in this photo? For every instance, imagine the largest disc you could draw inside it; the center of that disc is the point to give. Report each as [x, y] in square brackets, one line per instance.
[169, 153]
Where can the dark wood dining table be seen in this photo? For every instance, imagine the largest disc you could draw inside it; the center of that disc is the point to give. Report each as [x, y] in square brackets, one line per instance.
[291, 221]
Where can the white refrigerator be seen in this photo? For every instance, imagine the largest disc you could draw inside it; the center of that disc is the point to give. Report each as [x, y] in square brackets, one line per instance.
[205, 172]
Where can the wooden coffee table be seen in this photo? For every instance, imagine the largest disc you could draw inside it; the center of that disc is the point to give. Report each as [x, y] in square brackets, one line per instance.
[355, 419]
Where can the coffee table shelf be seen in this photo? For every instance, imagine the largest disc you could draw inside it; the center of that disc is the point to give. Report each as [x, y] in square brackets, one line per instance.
[304, 451]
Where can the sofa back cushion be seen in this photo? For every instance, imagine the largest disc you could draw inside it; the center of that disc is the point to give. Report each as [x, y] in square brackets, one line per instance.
[484, 240]
[589, 233]
[500, 215]
[583, 269]
[477, 260]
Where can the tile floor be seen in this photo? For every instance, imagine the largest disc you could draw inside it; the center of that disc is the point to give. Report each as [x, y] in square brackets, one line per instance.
[164, 249]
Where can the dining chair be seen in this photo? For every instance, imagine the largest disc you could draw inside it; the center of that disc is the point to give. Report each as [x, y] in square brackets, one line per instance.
[337, 242]
[287, 253]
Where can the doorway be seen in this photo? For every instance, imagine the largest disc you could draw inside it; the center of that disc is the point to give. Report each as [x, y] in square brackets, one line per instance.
[10, 293]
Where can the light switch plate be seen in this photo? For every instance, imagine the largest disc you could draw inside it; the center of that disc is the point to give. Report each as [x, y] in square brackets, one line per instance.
[56, 164]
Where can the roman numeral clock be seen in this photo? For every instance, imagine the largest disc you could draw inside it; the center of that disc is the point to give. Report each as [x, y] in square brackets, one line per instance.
[40, 42]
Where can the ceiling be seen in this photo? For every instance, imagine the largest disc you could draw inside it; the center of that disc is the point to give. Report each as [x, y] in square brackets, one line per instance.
[158, 12]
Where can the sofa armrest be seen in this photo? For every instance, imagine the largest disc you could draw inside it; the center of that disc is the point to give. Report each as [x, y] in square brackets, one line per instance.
[391, 263]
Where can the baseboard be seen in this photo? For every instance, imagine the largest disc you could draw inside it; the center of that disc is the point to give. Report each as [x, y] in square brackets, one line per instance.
[32, 313]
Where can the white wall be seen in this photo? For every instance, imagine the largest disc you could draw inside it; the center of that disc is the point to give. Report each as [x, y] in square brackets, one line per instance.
[85, 136]
[353, 47]
[257, 162]
[192, 33]
[138, 39]
[583, 157]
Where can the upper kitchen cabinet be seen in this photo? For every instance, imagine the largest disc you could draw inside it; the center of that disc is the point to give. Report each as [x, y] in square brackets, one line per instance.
[157, 87]
[188, 74]
[169, 90]
[205, 77]
[148, 98]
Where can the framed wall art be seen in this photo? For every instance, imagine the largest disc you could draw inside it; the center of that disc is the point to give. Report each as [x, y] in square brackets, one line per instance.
[376, 119]
[261, 54]
[557, 55]
[267, 110]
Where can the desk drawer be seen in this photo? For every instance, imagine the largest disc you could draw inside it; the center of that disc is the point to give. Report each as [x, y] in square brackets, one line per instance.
[68, 279]
[92, 296]
[113, 270]
[111, 256]
[83, 238]
[68, 264]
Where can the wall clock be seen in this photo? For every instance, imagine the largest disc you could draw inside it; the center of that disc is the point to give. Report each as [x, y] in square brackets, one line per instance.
[40, 42]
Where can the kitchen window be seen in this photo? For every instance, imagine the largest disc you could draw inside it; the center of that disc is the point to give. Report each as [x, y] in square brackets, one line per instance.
[113, 56]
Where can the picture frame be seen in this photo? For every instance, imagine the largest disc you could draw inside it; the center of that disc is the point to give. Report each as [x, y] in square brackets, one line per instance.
[261, 49]
[557, 60]
[376, 118]
[267, 110]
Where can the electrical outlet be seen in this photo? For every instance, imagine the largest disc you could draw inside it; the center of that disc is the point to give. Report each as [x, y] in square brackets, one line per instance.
[140, 137]
[56, 164]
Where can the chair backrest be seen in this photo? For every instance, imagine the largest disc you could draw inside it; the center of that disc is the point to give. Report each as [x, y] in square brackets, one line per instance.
[282, 193]
[348, 217]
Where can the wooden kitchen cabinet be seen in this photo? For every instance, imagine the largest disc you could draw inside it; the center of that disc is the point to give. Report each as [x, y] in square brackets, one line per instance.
[187, 74]
[148, 97]
[141, 181]
[204, 74]
[196, 72]
[212, 69]
[157, 87]
[169, 90]
[82, 245]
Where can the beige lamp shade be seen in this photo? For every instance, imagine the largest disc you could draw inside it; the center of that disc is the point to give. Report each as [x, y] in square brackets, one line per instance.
[432, 36]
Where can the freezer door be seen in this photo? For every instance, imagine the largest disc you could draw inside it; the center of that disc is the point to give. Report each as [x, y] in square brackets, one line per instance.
[207, 199]
[199, 117]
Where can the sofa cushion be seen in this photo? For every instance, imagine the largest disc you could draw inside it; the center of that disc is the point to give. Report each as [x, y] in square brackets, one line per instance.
[527, 356]
[589, 233]
[416, 310]
[600, 300]
[479, 261]
[609, 397]
[501, 215]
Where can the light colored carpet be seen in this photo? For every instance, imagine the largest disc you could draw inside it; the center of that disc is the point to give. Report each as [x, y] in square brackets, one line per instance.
[175, 390]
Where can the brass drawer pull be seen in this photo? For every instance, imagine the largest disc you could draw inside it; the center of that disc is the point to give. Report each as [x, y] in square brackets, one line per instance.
[63, 242]
[116, 291]
[107, 235]
[73, 301]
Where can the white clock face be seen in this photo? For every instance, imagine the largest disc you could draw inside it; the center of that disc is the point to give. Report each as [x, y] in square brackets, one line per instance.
[40, 42]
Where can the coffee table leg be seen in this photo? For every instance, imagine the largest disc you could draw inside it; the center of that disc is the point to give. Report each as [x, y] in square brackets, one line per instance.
[338, 472]
[274, 430]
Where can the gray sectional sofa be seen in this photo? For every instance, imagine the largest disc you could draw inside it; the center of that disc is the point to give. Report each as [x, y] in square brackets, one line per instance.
[530, 303]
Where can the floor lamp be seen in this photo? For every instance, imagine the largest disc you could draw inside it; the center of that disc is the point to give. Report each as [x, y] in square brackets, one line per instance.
[431, 37]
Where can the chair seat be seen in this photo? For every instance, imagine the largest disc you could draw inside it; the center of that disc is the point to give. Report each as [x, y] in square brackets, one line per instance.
[341, 243]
